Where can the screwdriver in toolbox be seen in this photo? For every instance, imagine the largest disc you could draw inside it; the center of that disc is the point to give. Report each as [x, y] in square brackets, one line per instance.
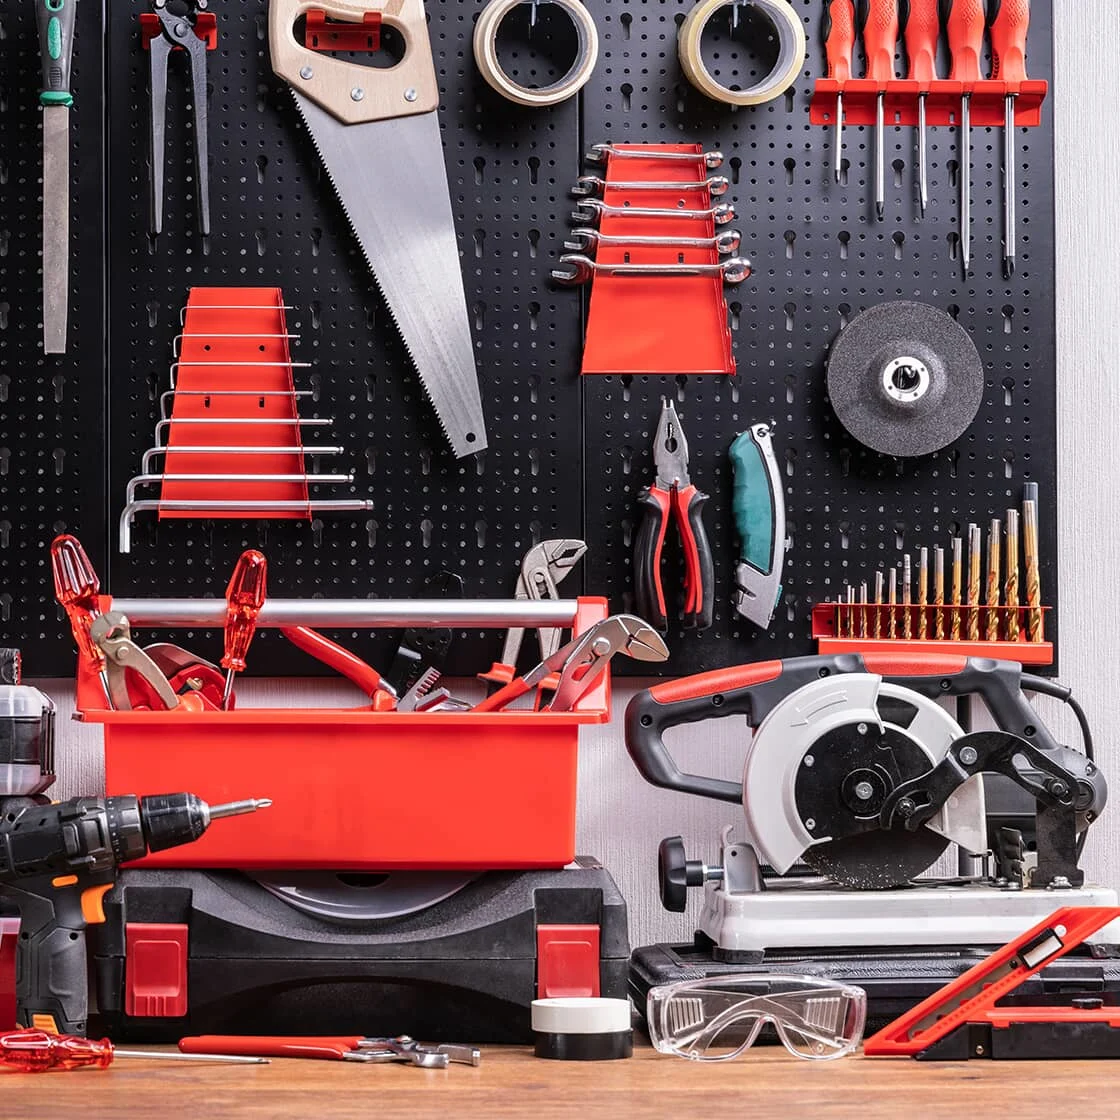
[964, 23]
[36, 1051]
[839, 42]
[921, 29]
[880, 34]
[245, 596]
[1010, 20]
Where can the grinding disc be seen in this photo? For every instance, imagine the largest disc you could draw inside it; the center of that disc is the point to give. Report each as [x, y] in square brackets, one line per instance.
[905, 379]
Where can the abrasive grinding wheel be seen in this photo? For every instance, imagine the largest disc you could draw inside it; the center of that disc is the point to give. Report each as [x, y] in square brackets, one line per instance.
[904, 378]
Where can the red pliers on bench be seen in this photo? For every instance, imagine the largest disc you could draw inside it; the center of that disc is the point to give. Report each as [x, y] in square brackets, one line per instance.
[672, 494]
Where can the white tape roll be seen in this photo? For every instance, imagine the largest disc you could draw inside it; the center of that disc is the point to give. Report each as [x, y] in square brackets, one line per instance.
[580, 1015]
[486, 54]
[791, 52]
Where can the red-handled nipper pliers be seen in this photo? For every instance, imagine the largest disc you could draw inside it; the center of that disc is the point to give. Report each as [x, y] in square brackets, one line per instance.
[672, 492]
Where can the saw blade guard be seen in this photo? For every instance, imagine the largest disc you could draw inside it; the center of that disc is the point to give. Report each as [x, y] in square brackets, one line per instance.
[789, 741]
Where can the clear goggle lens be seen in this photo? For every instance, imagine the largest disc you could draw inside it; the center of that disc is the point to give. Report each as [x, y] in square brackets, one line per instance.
[717, 1019]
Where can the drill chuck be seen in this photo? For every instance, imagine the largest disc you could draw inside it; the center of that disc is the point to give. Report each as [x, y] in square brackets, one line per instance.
[171, 819]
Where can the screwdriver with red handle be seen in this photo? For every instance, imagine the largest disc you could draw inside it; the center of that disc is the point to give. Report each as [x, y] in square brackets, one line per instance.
[245, 596]
[921, 29]
[839, 29]
[880, 34]
[964, 23]
[35, 1051]
[1009, 22]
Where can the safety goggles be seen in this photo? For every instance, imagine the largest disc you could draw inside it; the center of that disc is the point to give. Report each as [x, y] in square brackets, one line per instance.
[716, 1019]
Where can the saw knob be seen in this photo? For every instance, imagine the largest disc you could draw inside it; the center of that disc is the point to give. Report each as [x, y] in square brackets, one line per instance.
[676, 873]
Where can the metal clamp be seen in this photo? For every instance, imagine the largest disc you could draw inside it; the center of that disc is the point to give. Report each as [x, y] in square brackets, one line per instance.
[486, 55]
[592, 185]
[578, 269]
[593, 210]
[587, 240]
[790, 33]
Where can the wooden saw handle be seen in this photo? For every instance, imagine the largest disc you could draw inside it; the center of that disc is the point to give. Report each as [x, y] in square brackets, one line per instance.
[357, 94]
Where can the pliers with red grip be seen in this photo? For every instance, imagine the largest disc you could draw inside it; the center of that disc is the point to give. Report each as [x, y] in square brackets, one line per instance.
[672, 495]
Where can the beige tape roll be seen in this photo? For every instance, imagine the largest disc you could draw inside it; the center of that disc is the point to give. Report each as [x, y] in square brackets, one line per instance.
[486, 54]
[791, 52]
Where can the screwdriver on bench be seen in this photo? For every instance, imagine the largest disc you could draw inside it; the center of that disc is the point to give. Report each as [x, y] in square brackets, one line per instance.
[880, 34]
[35, 1051]
[1010, 20]
[839, 42]
[921, 29]
[964, 22]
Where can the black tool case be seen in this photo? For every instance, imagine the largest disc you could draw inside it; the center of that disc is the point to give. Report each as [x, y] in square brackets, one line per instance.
[236, 959]
[895, 978]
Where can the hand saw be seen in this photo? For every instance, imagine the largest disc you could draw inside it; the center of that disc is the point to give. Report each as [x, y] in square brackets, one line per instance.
[377, 133]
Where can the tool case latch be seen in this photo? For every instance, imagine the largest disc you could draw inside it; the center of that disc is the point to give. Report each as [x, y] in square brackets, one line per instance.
[567, 961]
[155, 984]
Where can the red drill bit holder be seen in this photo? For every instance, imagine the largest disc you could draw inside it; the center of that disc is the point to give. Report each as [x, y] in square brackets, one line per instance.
[831, 620]
[943, 103]
[358, 789]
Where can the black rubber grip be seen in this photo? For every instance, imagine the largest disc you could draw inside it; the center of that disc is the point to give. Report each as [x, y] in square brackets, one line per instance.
[695, 540]
[55, 20]
[648, 593]
[50, 956]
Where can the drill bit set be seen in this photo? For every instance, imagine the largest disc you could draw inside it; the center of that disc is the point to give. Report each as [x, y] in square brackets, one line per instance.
[968, 593]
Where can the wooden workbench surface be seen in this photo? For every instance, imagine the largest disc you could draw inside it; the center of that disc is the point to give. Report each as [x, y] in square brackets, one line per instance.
[512, 1083]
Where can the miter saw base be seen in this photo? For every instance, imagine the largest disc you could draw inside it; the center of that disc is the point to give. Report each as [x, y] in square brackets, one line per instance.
[791, 915]
[214, 952]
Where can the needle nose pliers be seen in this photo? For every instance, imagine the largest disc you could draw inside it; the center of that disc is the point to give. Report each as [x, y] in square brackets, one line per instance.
[672, 494]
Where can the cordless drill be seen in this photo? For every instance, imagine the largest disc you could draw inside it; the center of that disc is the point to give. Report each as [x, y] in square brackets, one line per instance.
[57, 861]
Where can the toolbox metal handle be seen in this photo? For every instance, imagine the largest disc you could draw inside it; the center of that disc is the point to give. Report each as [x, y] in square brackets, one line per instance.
[356, 614]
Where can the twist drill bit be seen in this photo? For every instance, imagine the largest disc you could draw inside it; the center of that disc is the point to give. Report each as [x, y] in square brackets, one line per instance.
[892, 599]
[923, 592]
[851, 612]
[994, 533]
[1011, 594]
[863, 609]
[939, 593]
[974, 546]
[955, 625]
[906, 597]
[1030, 552]
[878, 618]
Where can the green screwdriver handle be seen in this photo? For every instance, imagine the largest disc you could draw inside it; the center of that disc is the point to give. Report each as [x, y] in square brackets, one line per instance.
[56, 44]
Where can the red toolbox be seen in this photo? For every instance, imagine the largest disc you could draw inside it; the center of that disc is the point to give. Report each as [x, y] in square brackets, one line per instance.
[358, 789]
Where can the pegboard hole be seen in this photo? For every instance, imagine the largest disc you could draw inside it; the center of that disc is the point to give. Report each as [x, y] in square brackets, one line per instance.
[1008, 390]
[537, 45]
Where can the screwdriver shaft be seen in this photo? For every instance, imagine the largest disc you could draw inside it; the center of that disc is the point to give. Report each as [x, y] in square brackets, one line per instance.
[838, 145]
[880, 159]
[966, 182]
[923, 174]
[1009, 200]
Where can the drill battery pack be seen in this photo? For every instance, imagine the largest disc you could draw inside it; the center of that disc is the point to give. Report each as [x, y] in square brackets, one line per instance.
[186, 952]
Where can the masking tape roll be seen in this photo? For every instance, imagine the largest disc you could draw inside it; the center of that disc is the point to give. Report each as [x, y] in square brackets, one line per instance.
[791, 52]
[486, 54]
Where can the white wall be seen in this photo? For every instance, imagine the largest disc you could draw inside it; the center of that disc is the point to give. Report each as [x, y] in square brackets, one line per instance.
[621, 819]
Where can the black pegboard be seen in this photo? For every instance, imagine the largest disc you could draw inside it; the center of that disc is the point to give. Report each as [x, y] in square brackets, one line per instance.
[566, 455]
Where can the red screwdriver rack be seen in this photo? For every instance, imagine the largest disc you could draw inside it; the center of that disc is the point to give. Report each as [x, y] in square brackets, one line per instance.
[943, 103]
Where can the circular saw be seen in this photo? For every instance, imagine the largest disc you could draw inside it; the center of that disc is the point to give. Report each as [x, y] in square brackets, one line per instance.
[822, 766]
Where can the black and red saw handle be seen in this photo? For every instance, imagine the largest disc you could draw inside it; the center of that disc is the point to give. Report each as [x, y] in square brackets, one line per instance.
[684, 506]
[753, 690]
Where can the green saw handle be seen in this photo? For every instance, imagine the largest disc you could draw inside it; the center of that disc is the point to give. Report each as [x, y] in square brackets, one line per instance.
[55, 19]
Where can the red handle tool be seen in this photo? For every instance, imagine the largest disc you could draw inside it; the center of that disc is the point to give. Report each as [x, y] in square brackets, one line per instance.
[76, 587]
[1010, 22]
[365, 676]
[685, 506]
[245, 596]
[839, 44]
[333, 1049]
[921, 29]
[964, 23]
[880, 35]
[36, 1051]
